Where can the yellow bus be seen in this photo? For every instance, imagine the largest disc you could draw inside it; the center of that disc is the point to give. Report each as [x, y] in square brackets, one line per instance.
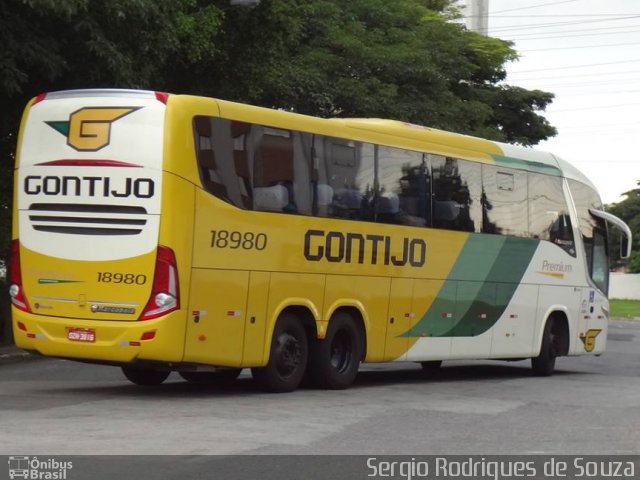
[166, 233]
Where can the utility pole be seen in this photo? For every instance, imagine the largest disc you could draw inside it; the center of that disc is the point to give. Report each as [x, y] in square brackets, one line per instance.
[477, 13]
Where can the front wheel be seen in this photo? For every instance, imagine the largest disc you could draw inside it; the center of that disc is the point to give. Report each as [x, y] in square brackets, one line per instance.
[334, 361]
[144, 376]
[544, 364]
[287, 358]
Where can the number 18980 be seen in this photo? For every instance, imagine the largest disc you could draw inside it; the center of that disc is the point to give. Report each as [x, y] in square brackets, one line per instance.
[238, 240]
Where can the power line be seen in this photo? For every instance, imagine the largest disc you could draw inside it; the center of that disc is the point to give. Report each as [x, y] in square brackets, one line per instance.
[547, 77]
[603, 125]
[560, 86]
[533, 6]
[521, 36]
[556, 24]
[610, 92]
[597, 107]
[564, 35]
[579, 47]
[576, 66]
[571, 15]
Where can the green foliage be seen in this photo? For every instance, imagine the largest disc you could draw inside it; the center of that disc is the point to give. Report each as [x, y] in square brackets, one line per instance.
[634, 262]
[624, 308]
[629, 211]
[371, 58]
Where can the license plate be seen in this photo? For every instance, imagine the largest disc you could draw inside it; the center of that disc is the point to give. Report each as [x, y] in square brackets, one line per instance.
[81, 335]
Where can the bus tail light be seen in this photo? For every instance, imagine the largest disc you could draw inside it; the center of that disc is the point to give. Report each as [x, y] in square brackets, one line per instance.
[165, 292]
[16, 291]
[39, 98]
[162, 97]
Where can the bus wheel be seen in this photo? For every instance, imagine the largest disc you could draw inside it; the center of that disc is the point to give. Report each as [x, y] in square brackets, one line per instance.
[544, 364]
[334, 361]
[431, 367]
[288, 357]
[218, 377]
[144, 376]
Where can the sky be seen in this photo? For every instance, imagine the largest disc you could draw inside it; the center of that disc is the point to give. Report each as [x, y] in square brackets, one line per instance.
[586, 52]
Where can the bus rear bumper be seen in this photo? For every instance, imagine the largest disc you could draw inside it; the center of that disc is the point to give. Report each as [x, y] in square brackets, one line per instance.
[160, 339]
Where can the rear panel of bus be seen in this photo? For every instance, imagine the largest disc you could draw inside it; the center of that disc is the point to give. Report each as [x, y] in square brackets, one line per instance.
[88, 273]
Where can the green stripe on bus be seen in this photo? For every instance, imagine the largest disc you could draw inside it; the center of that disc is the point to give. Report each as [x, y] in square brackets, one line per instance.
[529, 165]
[496, 292]
[465, 308]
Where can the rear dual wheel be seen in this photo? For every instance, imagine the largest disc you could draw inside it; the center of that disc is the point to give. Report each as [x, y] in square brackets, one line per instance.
[287, 358]
[335, 360]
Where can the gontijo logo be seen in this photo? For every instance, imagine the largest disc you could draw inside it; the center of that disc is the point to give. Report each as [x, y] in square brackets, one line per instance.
[589, 339]
[89, 129]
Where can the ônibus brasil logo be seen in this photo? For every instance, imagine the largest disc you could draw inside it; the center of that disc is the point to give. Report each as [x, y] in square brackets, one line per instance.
[32, 468]
[89, 129]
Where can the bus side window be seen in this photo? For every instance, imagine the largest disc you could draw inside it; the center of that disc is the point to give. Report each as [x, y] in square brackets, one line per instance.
[240, 132]
[504, 201]
[209, 171]
[273, 172]
[302, 172]
[548, 212]
[344, 170]
[403, 187]
[456, 194]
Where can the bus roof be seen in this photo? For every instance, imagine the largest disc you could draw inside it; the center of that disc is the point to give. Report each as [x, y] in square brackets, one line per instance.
[406, 135]
[499, 153]
[388, 132]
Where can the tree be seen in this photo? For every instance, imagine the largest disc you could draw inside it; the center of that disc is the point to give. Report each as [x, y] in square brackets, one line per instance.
[365, 58]
[629, 211]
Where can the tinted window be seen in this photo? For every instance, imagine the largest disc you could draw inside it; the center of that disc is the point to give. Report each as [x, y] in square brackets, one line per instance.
[504, 201]
[254, 167]
[213, 163]
[548, 213]
[456, 192]
[403, 196]
[281, 164]
[343, 178]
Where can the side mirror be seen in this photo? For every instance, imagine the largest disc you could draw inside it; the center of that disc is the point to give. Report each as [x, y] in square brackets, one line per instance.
[620, 225]
[624, 246]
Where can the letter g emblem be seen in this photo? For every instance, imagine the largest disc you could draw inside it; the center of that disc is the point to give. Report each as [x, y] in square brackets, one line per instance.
[90, 127]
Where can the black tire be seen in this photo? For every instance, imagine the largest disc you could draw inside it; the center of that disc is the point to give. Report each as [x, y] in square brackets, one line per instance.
[431, 367]
[287, 358]
[144, 376]
[334, 361]
[544, 364]
[219, 377]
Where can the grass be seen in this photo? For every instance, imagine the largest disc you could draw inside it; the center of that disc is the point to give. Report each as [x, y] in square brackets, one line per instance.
[624, 308]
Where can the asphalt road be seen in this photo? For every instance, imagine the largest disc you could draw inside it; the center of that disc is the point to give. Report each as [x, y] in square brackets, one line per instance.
[590, 406]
